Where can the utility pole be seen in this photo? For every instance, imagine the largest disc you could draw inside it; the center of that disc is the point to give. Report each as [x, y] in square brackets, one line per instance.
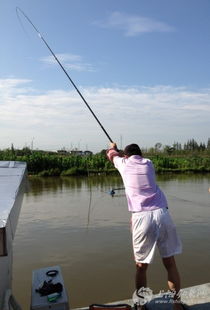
[121, 142]
[32, 144]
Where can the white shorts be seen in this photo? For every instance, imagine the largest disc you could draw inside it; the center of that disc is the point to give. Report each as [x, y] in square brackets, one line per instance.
[151, 228]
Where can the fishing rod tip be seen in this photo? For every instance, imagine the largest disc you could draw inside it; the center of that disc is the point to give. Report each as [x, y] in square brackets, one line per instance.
[18, 9]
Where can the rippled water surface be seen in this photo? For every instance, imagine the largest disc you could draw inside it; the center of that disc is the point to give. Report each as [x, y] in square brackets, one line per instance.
[75, 223]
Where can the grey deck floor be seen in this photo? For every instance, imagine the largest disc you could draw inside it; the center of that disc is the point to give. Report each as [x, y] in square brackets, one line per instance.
[195, 298]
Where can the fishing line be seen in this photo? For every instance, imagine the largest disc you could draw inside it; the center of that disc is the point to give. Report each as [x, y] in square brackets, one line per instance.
[187, 200]
[20, 21]
[18, 10]
[92, 205]
[90, 199]
[89, 208]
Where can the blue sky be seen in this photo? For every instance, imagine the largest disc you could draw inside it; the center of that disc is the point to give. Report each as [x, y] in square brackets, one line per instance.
[142, 65]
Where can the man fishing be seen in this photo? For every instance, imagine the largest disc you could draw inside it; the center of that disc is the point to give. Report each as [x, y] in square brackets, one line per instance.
[151, 222]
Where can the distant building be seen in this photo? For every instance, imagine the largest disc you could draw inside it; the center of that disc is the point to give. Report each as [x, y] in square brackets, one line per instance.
[87, 153]
[76, 153]
[62, 152]
[80, 153]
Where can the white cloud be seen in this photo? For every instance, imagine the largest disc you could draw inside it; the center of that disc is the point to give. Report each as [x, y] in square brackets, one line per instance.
[143, 114]
[201, 107]
[71, 61]
[133, 25]
[11, 85]
[62, 58]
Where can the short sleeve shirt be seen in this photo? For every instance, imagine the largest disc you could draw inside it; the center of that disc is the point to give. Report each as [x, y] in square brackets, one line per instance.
[142, 192]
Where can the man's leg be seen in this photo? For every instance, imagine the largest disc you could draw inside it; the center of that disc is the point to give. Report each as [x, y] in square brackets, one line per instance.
[141, 277]
[173, 280]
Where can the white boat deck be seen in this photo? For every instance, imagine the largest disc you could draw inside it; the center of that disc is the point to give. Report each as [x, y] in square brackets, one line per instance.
[11, 176]
[12, 187]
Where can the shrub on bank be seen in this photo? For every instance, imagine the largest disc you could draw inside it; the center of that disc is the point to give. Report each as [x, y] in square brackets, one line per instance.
[49, 172]
[74, 171]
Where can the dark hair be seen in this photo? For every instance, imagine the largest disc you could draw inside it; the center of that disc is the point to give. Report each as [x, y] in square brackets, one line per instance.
[132, 149]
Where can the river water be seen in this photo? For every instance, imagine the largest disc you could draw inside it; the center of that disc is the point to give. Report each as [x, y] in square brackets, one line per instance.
[75, 223]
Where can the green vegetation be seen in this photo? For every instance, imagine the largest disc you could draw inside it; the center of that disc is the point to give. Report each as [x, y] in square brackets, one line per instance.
[52, 164]
[181, 164]
[193, 157]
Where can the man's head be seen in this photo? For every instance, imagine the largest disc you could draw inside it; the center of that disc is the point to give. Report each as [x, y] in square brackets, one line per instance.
[132, 149]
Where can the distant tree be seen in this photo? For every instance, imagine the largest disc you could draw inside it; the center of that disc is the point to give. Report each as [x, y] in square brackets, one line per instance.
[202, 147]
[12, 149]
[26, 150]
[177, 146]
[158, 146]
[168, 149]
[208, 144]
[191, 145]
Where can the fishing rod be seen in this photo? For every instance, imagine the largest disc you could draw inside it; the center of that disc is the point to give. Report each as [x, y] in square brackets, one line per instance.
[18, 10]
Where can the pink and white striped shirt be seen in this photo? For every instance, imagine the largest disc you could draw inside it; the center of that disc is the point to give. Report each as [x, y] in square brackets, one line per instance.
[138, 174]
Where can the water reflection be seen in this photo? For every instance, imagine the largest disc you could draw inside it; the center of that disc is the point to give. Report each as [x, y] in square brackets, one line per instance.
[103, 182]
[39, 185]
